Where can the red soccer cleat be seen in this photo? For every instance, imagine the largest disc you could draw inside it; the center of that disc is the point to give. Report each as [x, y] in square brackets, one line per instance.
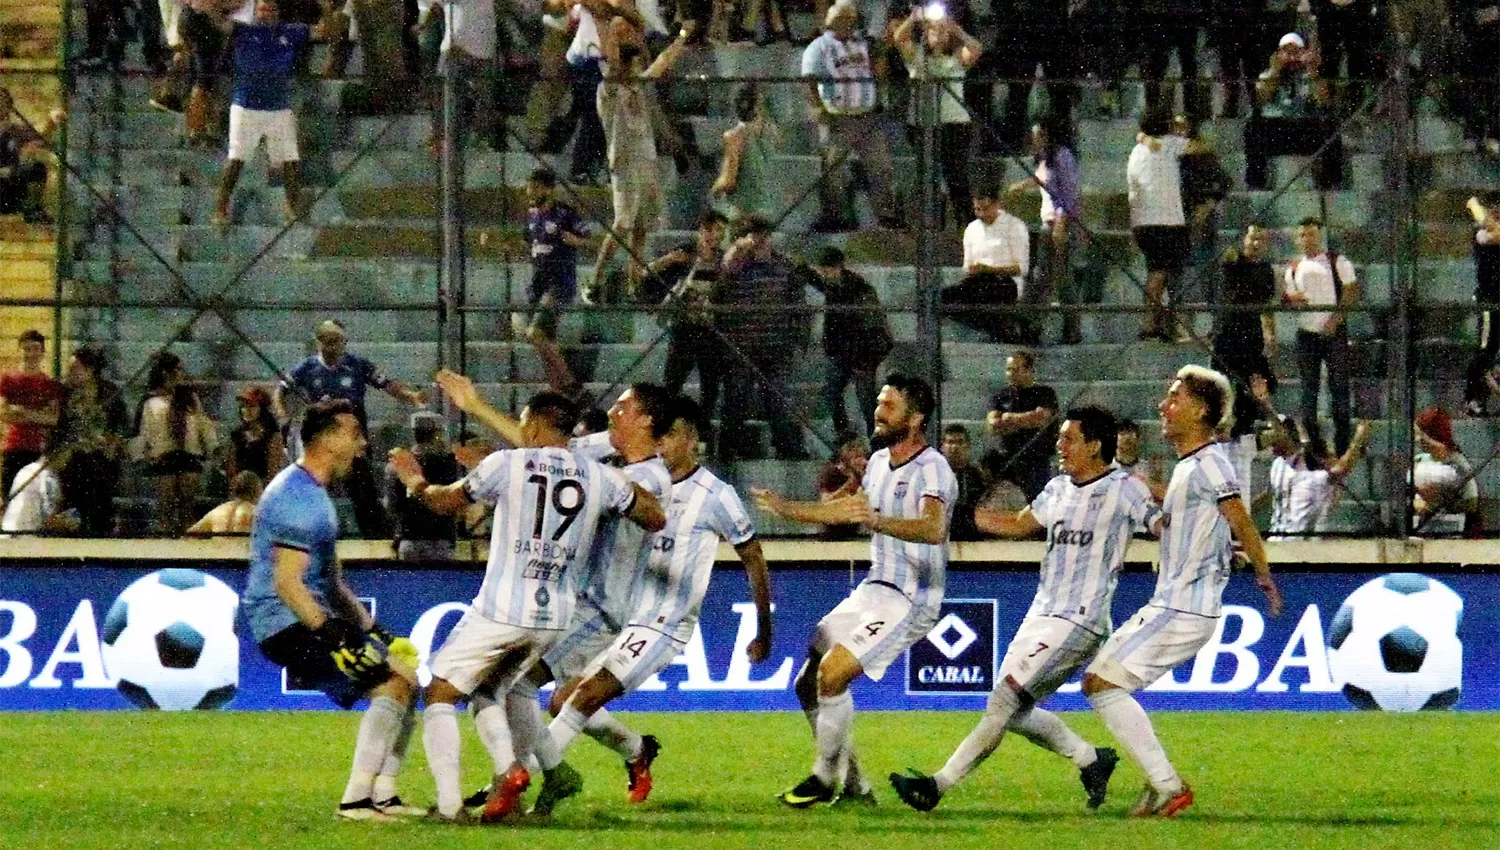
[1175, 804]
[505, 795]
[639, 770]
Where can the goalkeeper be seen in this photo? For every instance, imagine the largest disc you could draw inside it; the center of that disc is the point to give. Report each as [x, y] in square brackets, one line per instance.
[306, 618]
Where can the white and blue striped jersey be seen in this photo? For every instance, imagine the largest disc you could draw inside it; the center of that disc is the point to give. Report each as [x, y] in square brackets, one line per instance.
[1196, 544]
[548, 506]
[1300, 497]
[917, 570]
[1089, 525]
[846, 78]
[704, 509]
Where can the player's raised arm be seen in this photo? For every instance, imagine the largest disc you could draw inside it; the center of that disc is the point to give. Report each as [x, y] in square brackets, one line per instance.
[646, 511]
[1016, 525]
[844, 510]
[759, 574]
[443, 499]
[461, 391]
[929, 528]
[1248, 536]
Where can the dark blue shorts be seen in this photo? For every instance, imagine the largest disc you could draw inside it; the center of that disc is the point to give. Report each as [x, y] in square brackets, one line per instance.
[309, 666]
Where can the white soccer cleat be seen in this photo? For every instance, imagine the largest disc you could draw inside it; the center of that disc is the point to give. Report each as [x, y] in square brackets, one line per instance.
[363, 810]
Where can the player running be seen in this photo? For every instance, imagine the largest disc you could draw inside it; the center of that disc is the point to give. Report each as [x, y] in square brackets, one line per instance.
[548, 506]
[1203, 509]
[669, 593]
[307, 620]
[907, 504]
[1089, 514]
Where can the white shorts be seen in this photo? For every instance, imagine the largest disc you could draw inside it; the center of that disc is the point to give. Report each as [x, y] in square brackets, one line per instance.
[639, 654]
[248, 126]
[480, 650]
[876, 623]
[1151, 645]
[588, 635]
[1045, 653]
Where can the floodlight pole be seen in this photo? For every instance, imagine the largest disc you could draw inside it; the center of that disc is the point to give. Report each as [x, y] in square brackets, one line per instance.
[929, 283]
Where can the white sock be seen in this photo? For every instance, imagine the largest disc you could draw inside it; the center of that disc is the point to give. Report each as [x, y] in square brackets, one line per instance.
[494, 731]
[604, 728]
[479, 702]
[566, 726]
[520, 713]
[835, 725]
[974, 749]
[377, 733]
[1128, 722]
[440, 739]
[1048, 731]
[385, 781]
[544, 745]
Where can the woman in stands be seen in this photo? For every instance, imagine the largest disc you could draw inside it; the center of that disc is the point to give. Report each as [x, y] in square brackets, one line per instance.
[175, 436]
[1446, 500]
[944, 57]
[747, 182]
[255, 444]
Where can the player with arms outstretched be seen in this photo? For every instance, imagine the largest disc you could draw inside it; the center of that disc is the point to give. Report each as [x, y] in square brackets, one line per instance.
[907, 504]
[548, 505]
[1089, 514]
[307, 620]
[1203, 516]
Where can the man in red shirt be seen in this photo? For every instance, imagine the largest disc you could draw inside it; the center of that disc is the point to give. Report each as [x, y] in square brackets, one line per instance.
[28, 408]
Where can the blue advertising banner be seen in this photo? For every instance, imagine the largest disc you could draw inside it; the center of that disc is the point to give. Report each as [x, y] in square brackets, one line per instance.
[159, 635]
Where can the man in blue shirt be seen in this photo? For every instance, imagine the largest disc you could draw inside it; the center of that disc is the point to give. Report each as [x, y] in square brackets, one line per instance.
[333, 373]
[554, 233]
[306, 619]
[264, 54]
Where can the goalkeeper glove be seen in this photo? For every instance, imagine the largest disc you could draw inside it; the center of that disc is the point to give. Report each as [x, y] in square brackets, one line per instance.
[337, 633]
[396, 647]
[354, 653]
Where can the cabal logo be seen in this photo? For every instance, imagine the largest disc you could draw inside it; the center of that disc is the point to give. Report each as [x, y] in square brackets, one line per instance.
[958, 655]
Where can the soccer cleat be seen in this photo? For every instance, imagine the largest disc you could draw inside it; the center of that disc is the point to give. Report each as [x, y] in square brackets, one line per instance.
[363, 810]
[639, 770]
[1176, 803]
[917, 790]
[475, 800]
[460, 818]
[807, 793]
[505, 795]
[849, 799]
[558, 784]
[1095, 777]
[1146, 805]
[396, 807]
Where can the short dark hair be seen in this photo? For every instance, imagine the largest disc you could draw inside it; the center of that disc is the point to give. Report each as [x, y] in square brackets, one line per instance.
[92, 357]
[594, 420]
[984, 190]
[555, 408]
[686, 410]
[829, 256]
[322, 417]
[752, 223]
[426, 428]
[244, 485]
[1127, 426]
[32, 335]
[956, 430]
[917, 392]
[1097, 425]
[543, 176]
[1311, 221]
[712, 218]
[656, 401]
[1156, 122]
[1025, 355]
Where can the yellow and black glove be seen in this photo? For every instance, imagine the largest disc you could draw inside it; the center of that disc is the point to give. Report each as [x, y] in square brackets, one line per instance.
[357, 655]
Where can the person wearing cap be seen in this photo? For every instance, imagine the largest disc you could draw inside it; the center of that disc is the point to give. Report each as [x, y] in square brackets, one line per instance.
[334, 373]
[421, 535]
[1445, 498]
[855, 342]
[1294, 118]
[255, 444]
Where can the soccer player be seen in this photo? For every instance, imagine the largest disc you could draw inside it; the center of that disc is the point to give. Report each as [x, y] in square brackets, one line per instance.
[306, 619]
[669, 593]
[1203, 510]
[1089, 514]
[548, 505]
[907, 504]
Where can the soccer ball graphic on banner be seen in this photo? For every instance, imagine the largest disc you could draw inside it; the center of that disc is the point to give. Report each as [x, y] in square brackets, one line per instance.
[169, 641]
[1394, 644]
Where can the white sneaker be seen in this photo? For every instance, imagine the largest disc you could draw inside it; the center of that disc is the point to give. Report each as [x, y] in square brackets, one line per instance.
[397, 808]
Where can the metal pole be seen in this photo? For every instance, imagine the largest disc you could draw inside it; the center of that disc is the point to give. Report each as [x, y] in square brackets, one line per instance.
[929, 322]
[62, 267]
[450, 292]
[1404, 234]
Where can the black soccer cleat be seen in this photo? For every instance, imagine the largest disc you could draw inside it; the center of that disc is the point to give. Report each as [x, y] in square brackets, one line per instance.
[475, 800]
[806, 793]
[1095, 777]
[917, 790]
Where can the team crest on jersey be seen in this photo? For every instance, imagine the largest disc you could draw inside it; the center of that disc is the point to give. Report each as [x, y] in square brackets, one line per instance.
[901, 489]
[542, 597]
[530, 465]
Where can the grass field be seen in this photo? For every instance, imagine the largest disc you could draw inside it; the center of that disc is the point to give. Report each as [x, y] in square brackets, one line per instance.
[122, 780]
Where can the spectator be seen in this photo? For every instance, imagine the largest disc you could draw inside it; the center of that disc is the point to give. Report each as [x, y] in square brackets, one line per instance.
[855, 342]
[1058, 180]
[592, 421]
[1023, 415]
[1479, 22]
[1205, 185]
[176, 436]
[90, 429]
[264, 52]
[468, 51]
[1245, 340]
[334, 373]
[35, 501]
[843, 475]
[29, 404]
[841, 85]
[203, 25]
[1486, 291]
[1032, 33]
[235, 515]
[762, 343]
[554, 233]
[256, 444]
[28, 167]
[997, 256]
[1164, 27]
[1242, 32]
[747, 175]
[1157, 220]
[1127, 445]
[1105, 50]
[1305, 476]
[754, 12]
[1356, 29]
[1446, 500]
[973, 483]
[943, 60]
[420, 534]
[692, 275]
[1293, 119]
[626, 101]
[1322, 278]
[584, 56]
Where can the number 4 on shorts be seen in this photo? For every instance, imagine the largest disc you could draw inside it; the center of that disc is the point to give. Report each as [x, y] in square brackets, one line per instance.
[635, 647]
[874, 628]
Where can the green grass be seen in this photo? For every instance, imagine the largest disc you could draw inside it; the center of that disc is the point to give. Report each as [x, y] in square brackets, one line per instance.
[121, 781]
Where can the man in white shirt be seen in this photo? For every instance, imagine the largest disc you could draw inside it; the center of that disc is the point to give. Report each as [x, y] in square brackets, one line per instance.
[1154, 179]
[1322, 278]
[35, 498]
[997, 257]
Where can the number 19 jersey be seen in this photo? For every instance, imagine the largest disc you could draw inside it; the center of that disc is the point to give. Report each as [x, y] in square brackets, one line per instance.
[548, 504]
